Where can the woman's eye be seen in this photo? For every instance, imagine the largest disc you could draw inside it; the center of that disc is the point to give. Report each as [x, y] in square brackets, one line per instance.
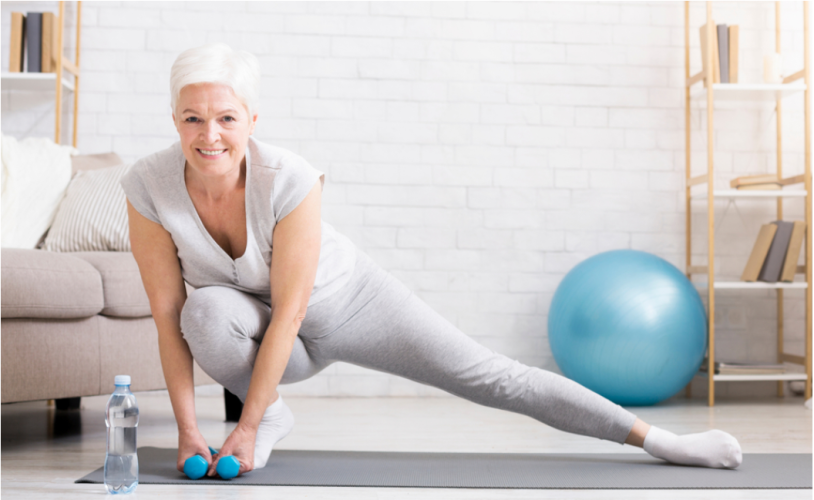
[228, 119]
[191, 119]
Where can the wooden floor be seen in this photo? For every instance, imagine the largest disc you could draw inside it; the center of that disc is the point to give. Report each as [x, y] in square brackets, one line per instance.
[44, 452]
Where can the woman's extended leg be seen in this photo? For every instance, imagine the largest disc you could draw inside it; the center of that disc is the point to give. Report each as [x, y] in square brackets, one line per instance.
[396, 332]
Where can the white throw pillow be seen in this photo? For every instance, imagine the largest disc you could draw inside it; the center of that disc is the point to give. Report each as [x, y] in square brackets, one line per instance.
[35, 173]
[93, 215]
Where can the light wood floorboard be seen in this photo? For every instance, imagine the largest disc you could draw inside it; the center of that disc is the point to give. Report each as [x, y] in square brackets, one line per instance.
[43, 453]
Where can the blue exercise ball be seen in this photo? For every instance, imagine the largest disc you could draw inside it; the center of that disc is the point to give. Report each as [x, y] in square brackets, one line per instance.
[628, 325]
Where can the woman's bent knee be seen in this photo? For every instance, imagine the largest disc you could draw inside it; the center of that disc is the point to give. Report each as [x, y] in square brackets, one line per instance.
[208, 310]
[197, 312]
[217, 311]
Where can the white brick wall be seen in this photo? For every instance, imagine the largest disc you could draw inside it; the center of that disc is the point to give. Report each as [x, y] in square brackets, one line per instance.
[476, 150]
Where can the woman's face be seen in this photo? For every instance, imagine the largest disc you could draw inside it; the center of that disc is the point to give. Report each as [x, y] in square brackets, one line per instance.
[214, 127]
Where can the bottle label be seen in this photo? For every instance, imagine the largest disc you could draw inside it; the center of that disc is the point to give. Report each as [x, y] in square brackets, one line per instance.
[122, 431]
[122, 441]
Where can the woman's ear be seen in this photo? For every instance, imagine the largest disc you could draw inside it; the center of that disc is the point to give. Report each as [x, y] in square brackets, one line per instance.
[253, 123]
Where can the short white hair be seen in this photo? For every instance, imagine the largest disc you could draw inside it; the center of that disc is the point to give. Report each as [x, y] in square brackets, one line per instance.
[218, 63]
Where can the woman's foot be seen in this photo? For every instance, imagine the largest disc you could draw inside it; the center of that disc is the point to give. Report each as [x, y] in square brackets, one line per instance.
[277, 422]
[715, 448]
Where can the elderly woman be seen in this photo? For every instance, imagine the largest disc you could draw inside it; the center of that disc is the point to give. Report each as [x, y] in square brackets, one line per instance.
[280, 294]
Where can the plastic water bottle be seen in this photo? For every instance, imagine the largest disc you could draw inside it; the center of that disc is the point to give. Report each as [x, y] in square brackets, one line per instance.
[121, 418]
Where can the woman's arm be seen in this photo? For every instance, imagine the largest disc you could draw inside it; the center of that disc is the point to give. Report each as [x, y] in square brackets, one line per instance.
[297, 239]
[156, 256]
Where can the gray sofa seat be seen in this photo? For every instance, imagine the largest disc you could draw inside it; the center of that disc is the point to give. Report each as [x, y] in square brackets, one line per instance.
[40, 284]
[123, 289]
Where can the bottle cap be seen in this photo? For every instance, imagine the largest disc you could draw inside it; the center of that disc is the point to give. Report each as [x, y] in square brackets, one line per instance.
[122, 380]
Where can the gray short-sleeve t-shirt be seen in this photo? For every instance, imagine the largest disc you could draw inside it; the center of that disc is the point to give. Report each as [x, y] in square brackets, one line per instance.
[277, 180]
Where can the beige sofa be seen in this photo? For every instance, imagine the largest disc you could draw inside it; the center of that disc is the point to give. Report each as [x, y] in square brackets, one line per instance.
[71, 322]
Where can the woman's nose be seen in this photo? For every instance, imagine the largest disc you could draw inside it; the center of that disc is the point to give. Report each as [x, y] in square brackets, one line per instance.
[211, 132]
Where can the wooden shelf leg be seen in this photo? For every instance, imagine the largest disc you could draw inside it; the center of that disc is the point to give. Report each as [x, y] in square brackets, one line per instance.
[779, 109]
[60, 45]
[710, 209]
[807, 105]
[76, 77]
[688, 171]
[780, 351]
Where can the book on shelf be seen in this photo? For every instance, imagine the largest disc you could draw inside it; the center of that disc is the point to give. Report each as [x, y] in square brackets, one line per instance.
[744, 368]
[725, 51]
[798, 234]
[50, 39]
[17, 45]
[716, 73]
[734, 39]
[773, 266]
[775, 252]
[749, 181]
[759, 252]
[34, 41]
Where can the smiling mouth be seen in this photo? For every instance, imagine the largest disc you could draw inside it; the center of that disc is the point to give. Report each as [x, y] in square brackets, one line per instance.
[211, 152]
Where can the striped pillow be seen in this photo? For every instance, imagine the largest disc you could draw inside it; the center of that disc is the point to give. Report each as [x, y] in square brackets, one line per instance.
[93, 214]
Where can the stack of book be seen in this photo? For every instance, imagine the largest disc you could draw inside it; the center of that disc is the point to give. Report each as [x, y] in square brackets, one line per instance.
[724, 53]
[34, 42]
[757, 182]
[743, 368]
[774, 256]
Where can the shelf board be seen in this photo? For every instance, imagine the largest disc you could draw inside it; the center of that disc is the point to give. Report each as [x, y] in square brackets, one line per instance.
[748, 91]
[752, 285]
[31, 81]
[747, 193]
[747, 378]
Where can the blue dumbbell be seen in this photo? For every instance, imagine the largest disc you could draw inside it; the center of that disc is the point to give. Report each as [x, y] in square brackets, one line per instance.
[195, 467]
[228, 467]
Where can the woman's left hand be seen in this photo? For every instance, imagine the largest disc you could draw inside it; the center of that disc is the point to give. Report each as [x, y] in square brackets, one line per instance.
[239, 444]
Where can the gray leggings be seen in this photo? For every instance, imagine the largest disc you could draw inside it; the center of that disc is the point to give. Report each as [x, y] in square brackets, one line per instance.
[375, 321]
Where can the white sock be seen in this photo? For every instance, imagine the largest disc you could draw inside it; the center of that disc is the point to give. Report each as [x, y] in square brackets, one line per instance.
[716, 449]
[277, 422]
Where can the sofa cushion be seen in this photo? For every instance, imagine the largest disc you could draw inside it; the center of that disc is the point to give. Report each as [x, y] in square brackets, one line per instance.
[40, 284]
[124, 292]
[35, 174]
[93, 215]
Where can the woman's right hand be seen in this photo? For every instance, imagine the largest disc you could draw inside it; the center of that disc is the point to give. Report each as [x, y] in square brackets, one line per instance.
[192, 443]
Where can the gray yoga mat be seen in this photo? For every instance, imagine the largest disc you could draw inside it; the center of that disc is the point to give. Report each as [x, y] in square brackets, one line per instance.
[489, 470]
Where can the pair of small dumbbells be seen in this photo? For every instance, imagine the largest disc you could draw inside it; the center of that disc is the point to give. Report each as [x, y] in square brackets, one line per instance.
[195, 467]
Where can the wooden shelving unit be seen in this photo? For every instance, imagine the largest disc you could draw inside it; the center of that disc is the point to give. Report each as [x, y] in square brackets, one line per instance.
[793, 84]
[39, 82]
